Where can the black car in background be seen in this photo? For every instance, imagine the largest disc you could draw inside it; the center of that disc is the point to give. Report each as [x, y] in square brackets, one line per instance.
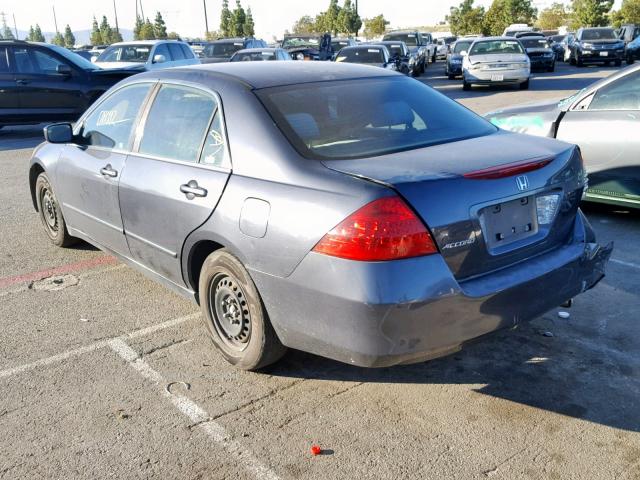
[309, 47]
[399, 53]
[40, 82]
[338, 44]
[632, 52]
[540, 54]
[596, 45]
[453, 62]
[557, 45]
[222, 50]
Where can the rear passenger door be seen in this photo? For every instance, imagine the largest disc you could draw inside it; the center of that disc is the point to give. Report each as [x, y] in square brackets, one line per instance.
[9, 103]
[605, 125]
[175, 177]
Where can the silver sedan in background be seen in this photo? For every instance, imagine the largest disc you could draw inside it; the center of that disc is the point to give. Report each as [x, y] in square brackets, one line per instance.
[496, 61]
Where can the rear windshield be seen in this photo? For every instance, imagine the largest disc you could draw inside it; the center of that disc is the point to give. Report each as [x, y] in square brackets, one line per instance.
[496, 47]
[557, 38]
[295, 42]
[360, 55]
[534, 42]
[254, 56]
[409, 38]
[222, 50]
[125, 53]
[462, 47]
[366, 118]
[599, 34]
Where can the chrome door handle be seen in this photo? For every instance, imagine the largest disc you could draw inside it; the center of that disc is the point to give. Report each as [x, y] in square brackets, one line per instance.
[192, 190]
[108, 171]
[22, 81]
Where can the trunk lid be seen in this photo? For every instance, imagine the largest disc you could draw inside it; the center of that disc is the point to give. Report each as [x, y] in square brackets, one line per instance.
[467, 216]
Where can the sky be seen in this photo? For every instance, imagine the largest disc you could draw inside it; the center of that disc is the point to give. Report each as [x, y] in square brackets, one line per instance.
[272, 17]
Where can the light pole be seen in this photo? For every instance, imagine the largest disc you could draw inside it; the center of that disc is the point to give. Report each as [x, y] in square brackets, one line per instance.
[206, 22]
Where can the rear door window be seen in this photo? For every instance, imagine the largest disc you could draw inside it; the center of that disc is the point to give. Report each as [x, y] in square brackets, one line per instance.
[176, 51]
[622, 94]
[111, 123]
[187, 52]
[177, 123]
[4, 62]
[162, 50]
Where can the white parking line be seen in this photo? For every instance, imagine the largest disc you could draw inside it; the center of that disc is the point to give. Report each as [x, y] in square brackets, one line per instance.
[194, 413]
[93, 347]
[627, 264]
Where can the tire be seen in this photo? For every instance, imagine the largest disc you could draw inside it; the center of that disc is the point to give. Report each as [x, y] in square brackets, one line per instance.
[465, 85]
[451, 76]
[50, 213]
[524, 85]
[618, 63]
[248, 341]
[434, 59]
[552, 68]
[423, 67]
[630, 60]
[572, 60]
[579, 62]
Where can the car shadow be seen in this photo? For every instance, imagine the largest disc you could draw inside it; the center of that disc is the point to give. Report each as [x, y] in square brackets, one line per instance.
[16, 138]
[524, 366]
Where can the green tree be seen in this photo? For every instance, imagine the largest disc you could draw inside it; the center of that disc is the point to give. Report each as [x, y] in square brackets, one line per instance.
[159, 27]
[629, 13]
[348, 19]
[466, 19]
[376, 26]
[58, 39]
[226, 19]
[238, 19]
[96, 35]
[37, 34]
[173, 36]
[31, 34]
[147, 32]
[249, 28]
[304, 24]
[106, 31]
[69, 38]
[553, 17]
[503, 13]
[116, 36]
[211, 35]
[6, 32]
[137, 28]
[590, 13]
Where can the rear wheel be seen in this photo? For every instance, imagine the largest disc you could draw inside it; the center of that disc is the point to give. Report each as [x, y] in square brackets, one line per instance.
[618, 63]
[524, 85]
[50, 213]
[451, 76]
[466, 86]
[629, 59]
[234, 314]
[579, 62]
[552, 67]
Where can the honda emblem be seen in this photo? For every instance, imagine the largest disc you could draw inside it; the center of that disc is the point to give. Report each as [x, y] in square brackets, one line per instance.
[523, 183]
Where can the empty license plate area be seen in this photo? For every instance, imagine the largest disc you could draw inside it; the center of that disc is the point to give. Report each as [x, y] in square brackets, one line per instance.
[508, 222]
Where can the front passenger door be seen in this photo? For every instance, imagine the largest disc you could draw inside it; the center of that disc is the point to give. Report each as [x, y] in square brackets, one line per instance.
[89, 173]
[174, 178]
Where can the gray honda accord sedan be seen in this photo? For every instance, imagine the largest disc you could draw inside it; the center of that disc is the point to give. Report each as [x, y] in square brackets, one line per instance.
[342, 210]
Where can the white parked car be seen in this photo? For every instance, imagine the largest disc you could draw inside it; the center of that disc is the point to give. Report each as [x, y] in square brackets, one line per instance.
[147, 55]
[496, 60]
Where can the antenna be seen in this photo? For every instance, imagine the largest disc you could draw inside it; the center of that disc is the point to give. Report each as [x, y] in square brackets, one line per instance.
[55, 20]
[115, 11]
[206, 22]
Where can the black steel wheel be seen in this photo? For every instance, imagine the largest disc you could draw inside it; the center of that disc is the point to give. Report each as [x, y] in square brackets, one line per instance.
[51, 214]
[234, 314]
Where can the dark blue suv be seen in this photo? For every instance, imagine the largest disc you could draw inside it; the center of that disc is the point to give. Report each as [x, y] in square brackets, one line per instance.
[222, 50]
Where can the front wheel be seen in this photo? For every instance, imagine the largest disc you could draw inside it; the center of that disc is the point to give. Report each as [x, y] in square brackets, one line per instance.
[466, 86]
[524, 85]
[234, 314]
[51, 214]
[579, 62]
[630, 59]
[618, 63]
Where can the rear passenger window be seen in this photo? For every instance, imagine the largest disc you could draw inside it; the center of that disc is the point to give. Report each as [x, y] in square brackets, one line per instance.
[622, 94]
[188, 53]
[162, 50]
[176, 51]
[111, 123]
[215, 145]
[177, 123]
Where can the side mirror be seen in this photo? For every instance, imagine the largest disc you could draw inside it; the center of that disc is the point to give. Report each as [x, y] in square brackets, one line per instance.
[159, 58]
[63, 69]
[463, 53]
[94, 58]
[58, 133]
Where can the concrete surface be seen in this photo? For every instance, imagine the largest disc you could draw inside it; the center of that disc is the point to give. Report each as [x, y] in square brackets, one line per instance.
[112, 375]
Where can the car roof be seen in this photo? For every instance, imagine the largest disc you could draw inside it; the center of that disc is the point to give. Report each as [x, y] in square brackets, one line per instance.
[265, 49]
[393, 32]
[489, 39]
[273, 74]
[229, 40]
[141, 42]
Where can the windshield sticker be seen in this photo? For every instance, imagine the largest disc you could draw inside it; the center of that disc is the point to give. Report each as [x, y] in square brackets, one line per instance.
[520, 124]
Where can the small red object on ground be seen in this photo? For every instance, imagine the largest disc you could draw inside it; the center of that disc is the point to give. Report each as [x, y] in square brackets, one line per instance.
[315, 450]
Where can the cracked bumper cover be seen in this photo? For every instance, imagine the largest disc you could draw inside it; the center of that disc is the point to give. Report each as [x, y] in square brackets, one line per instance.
[379, 314]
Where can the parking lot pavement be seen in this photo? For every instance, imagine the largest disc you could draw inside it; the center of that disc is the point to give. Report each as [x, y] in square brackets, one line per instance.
[109, 375]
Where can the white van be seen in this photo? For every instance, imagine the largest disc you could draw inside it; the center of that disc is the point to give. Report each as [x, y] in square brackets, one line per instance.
[514, 28]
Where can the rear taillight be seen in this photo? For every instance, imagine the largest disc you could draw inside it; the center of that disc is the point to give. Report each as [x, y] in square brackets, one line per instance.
[385, 229]
[508, 169]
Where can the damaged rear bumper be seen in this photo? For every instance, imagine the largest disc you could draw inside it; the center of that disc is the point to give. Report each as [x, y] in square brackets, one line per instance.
[379, 314]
